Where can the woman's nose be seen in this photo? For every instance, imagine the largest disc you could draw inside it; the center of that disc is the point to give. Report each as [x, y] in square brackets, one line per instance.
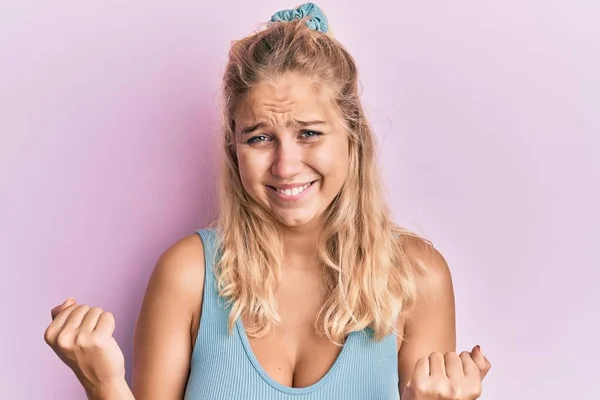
[287, 160]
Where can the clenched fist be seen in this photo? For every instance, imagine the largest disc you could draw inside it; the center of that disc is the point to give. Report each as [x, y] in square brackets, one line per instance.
[448, 376]
[82, 337]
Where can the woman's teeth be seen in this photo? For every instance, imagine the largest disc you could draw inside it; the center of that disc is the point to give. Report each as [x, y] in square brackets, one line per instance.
[293, 192]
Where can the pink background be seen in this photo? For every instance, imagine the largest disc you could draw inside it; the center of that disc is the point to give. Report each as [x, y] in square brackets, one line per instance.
[488, 118]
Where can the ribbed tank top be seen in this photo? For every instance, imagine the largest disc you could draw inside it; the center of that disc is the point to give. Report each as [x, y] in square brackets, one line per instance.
[224, 367]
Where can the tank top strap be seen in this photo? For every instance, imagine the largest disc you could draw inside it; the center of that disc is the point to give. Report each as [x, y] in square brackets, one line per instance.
[214, 309]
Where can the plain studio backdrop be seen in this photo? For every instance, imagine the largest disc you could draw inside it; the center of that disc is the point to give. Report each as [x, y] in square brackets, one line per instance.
[487, 118]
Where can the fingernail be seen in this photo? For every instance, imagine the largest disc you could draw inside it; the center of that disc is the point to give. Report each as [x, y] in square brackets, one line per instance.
[478, 348]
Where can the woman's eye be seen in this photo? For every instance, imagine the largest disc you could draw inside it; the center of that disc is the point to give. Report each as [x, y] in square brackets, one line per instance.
[309, 134]
[257, 139]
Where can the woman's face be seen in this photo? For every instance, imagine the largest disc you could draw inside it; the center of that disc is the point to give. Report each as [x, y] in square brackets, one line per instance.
[292, 149]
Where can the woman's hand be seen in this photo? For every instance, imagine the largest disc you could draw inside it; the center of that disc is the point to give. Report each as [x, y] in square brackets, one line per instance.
[82, 338]
[449, 376]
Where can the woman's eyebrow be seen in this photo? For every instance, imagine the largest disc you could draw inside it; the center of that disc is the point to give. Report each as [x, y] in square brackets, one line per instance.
[252, 128]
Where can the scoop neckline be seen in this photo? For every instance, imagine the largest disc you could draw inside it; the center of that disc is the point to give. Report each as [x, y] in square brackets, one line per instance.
[288, 389]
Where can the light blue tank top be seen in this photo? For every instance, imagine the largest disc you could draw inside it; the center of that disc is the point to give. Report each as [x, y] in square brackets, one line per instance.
[224, 367]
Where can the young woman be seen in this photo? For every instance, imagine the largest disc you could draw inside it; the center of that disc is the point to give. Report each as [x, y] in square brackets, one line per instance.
[305, 288]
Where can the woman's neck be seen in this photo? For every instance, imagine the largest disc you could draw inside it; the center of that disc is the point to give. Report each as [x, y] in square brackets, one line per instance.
[300, 245]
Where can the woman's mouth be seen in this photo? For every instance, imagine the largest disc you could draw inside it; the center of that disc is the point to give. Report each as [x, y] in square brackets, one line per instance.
[292, 193]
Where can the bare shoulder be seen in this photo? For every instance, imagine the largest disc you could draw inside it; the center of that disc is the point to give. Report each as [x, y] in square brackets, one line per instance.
[182, 265]
[431, 271]
[178, 277]
[167, 322]
[179, 274]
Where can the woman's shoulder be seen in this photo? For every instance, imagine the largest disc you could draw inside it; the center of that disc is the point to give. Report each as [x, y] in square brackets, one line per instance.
[429, 267]
[179, 271]
[184, 259]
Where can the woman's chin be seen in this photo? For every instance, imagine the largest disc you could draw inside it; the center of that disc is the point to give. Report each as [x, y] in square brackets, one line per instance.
[296, 220]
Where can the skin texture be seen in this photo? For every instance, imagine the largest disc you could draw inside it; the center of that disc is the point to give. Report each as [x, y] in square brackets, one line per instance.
[274, 149]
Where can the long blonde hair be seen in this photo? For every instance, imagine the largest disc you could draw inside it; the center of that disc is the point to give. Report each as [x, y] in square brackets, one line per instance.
[367, 274]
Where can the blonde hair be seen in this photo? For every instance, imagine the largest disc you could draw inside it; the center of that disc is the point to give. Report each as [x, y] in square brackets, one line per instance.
[366, 272]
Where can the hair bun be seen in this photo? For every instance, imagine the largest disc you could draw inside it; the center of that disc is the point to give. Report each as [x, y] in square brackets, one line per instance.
[316, 21]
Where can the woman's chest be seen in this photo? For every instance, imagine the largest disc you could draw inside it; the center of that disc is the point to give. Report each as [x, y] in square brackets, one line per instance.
[294, 353]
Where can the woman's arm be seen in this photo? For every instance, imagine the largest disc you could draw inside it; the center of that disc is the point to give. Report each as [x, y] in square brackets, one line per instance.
[431, 327]
[82, 336]
[166, 326]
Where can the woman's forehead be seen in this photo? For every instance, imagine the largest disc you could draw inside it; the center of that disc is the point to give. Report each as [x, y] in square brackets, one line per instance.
[289, 109]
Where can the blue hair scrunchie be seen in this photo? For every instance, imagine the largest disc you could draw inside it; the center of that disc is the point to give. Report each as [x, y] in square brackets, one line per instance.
[317, 21]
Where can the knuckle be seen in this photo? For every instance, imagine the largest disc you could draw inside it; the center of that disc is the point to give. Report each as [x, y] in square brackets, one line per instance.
[81, 340]
[96, 310]
[454, 391]
[417, 384]
[49, 335]
[96, 340]
[64, 341]
[447, 390]
[424, 389]
[476, 391]
[420, 385]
